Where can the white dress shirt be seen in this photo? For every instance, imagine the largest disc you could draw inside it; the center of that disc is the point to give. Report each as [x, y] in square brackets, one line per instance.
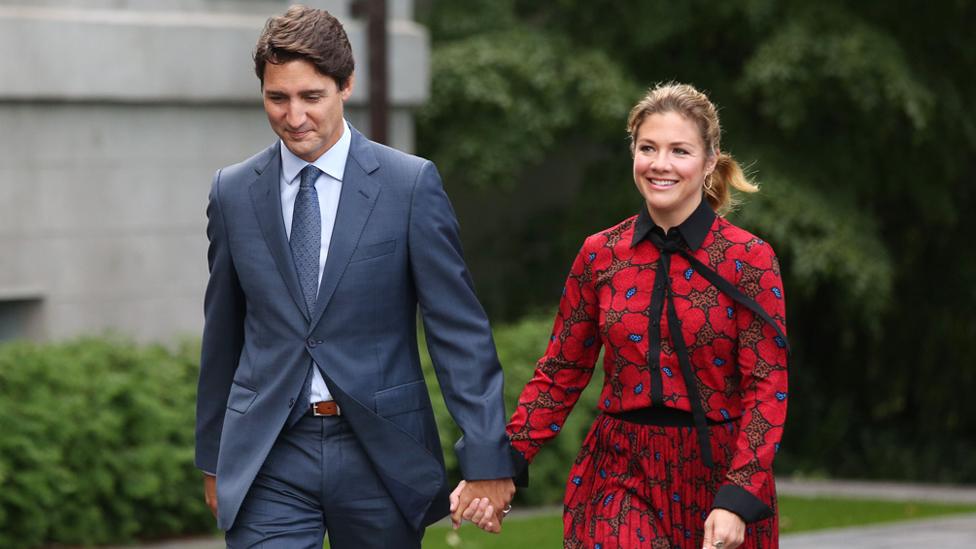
[332, 164]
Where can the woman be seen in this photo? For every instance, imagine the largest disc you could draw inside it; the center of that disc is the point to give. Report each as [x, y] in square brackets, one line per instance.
[682, 454]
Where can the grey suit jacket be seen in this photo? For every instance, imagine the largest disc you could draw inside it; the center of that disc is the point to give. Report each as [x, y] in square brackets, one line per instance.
[394, 248]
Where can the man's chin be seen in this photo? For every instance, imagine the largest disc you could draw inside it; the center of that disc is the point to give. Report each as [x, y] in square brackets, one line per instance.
[300, 149]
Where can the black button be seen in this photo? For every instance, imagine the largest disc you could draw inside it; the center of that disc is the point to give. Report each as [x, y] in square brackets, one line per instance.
[291, 402]
[311, 342]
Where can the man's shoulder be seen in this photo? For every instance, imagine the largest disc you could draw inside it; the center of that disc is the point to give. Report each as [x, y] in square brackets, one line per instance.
[247, 169]
[388, 159]
[386, 152]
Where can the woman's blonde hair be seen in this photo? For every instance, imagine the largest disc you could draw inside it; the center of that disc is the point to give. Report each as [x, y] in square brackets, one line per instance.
[696, 107]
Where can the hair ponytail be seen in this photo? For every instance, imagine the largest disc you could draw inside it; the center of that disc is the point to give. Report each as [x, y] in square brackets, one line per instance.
[727, 174]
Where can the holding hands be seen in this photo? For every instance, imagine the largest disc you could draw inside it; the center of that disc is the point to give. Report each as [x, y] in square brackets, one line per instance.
[483, 502]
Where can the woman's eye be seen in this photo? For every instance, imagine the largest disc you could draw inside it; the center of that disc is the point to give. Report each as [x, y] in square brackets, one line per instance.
[680, 151]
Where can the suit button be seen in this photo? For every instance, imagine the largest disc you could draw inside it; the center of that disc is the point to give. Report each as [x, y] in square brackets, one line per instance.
[291, 402]
[311, 342]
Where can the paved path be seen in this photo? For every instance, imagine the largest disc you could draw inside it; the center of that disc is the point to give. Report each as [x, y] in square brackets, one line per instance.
[954, 532]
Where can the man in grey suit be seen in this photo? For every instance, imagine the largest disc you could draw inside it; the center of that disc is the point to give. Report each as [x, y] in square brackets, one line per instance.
[313, 415]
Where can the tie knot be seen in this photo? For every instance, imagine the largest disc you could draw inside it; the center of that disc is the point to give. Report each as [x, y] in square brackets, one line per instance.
[309, 174]
[666, 244]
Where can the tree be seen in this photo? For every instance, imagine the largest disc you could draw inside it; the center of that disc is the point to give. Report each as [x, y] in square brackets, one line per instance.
[853, 116]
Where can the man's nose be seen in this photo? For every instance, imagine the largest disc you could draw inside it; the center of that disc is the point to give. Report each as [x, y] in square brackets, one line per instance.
[295, 115]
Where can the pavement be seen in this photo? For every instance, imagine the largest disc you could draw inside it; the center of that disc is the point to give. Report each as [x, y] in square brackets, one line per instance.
[952, 532]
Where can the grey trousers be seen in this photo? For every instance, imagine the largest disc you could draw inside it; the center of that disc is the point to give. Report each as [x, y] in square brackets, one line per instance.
[317, 479]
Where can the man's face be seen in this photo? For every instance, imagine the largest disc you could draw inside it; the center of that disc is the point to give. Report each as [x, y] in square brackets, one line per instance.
[304, 107]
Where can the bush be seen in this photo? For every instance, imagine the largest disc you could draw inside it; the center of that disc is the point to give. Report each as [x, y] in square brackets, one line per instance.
[97, 443]
[520, 345]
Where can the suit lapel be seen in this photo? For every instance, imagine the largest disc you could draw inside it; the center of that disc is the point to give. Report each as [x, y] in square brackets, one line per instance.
[356, 201]
[266, 199]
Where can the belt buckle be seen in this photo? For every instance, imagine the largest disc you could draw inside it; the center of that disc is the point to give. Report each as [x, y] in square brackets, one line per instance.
[315, 410]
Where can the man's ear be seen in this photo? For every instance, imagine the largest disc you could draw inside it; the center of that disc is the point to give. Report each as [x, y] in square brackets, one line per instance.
[346, 92]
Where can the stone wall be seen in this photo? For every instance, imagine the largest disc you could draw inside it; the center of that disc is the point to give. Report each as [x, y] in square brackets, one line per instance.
[114, 116]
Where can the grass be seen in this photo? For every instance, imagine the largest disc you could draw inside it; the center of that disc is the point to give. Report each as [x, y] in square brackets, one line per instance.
[800, 514]
[796, 515]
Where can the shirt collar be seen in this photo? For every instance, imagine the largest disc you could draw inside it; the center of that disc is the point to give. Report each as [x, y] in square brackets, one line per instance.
[693, 230]
[332, 162]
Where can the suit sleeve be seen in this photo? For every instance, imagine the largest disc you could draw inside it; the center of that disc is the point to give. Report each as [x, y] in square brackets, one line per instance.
[223, 336]
[458, 334]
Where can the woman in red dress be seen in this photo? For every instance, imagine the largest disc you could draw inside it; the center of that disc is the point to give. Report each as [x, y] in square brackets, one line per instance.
[690, 311]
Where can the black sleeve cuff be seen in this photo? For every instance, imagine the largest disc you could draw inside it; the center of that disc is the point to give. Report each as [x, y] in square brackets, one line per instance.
[736, 499]
[521, 467]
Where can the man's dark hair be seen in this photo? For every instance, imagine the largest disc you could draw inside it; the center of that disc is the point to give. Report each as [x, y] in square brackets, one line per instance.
[310, 34]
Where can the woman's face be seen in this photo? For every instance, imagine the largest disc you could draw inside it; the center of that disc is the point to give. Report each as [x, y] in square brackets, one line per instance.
[670, 165]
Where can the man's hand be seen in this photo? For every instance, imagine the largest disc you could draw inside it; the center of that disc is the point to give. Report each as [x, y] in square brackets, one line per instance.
[725, 528]
[482, 502]
[210, 492]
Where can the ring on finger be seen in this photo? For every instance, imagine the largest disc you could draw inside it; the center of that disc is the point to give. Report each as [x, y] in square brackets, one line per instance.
[507, 510]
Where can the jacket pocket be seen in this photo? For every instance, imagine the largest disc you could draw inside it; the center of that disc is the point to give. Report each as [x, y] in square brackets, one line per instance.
[402, 398]
[240, 398]
[370, 251]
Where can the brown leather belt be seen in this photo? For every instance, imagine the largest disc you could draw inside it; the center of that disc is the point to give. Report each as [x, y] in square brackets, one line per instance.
[324, 408]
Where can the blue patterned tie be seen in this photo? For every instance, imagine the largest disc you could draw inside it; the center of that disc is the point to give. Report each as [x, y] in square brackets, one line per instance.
[306, 236]
[306, 246]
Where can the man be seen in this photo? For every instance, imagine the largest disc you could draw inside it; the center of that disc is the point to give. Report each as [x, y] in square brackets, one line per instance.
[312, 411]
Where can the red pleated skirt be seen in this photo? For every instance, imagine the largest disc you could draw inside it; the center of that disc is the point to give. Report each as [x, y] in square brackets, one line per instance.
[635, 486]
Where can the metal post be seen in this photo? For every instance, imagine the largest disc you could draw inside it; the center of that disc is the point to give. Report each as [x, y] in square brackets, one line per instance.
[374, 11]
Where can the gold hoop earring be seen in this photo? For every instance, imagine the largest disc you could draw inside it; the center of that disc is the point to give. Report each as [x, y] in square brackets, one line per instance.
[708, 182]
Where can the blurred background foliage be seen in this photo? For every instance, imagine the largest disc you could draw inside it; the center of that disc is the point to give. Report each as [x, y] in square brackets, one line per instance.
[856, 119]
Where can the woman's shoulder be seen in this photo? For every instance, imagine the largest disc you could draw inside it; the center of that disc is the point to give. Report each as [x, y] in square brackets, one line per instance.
[749, 244]
[621, 232]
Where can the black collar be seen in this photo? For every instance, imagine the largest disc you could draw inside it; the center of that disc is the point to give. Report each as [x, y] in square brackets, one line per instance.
[693, 230]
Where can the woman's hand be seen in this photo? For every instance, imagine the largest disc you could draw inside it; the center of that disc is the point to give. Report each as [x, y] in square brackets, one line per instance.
[480, 512]
[724, 530]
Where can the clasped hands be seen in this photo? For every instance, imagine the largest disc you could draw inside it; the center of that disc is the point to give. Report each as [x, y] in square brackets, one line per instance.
[483, 502]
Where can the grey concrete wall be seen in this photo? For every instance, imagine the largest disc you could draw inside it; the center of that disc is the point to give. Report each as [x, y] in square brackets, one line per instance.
[113, 118]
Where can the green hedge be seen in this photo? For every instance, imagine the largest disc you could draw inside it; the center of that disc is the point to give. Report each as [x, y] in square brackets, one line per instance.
[96, 443]
[520, 344]
[96, 438]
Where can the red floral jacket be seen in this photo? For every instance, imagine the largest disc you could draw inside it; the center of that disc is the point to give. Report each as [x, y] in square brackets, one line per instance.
[615, 298]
